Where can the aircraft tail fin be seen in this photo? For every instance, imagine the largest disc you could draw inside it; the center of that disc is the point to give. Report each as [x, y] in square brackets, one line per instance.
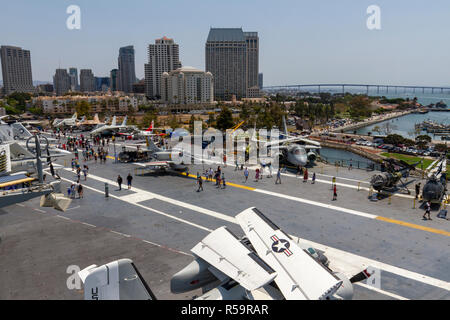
[113, 122]
[124, 123]
[117, 280]
[19, 131]
[151, 146]
[151, 127]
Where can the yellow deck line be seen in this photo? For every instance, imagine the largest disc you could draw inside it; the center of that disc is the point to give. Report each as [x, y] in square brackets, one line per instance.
[414, 226]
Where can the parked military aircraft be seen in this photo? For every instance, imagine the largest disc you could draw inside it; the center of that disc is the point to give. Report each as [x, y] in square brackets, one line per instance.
[22, 186]
[113, 129]
[265, 264]
[68, 122]
[142, 133]
[395, 171]
[436, 186]
[297, 151]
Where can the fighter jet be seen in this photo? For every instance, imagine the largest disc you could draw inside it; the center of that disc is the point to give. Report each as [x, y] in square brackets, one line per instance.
[68, 122]
[265, 264]
[142, 133]
[113, 129]
[162, 158]
[86, 125]
[436, 186]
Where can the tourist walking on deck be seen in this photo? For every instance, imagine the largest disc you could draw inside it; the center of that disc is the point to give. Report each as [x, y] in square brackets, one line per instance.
[80, 191]
[305, 176]
[278, 181]
[85, 171]
[223, 181]
[199, 182]
[129, 179]
[417, 190]
[246, 174]
[210, 174]
[313, 178]
[72, 190]
[427, 210]
[119, 182]
[257, 175]
[334, 193]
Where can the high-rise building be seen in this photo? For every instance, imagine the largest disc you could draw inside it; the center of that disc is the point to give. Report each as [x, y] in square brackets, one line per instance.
[61, 82]
[87, 81]
[46, 88]
[73, 74]
[252, 58]
[187, 85]
[113, 84]
[260, 81]
[102, 83]
[163, 56]
[16, 70]
[232, 56]
[127, 74]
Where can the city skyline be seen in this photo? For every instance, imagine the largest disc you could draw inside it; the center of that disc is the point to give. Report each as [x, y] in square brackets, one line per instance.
[304, 43]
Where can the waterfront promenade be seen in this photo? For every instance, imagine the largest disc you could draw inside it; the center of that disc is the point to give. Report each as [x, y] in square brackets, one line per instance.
[371, 120]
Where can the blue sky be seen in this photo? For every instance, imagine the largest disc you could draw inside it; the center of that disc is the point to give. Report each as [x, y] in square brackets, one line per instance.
[300, 41]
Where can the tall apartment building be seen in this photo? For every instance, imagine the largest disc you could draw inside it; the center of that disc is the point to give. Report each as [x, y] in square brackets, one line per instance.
[16, 70]
[187, 85]
[87, 80]
[73, 74]
[102, 83]
[232, 56]
[163, 56]
[61, 82]
[127, 73]
[252, 58]
[113, 82]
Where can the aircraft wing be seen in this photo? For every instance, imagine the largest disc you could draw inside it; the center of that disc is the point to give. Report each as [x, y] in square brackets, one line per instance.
[154, 165]
[311, 147]
[290, 139]
[225, 252]
[300, 276]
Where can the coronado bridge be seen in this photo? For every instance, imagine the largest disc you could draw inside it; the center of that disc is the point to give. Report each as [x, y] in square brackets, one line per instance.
[380, 88]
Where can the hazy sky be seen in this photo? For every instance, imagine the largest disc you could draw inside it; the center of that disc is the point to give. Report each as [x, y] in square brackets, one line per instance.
[301, 41]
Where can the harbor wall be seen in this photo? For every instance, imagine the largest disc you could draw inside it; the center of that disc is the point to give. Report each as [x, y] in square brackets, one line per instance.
[359, 125]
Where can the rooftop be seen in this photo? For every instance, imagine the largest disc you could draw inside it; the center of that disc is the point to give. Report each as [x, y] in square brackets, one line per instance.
[226, 34]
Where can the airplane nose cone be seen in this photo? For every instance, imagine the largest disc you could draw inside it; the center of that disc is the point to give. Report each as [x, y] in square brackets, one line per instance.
[301, 160]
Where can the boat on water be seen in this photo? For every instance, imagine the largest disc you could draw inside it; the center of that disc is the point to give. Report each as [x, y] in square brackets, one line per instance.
[420, 111]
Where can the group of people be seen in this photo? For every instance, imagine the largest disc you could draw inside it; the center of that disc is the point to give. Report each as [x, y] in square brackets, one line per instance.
[74, 189]
[120, 180]
[210, 175]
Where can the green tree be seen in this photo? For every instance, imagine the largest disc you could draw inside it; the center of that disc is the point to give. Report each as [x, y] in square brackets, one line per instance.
[225, 119]
[83, 108]
[211, 119]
